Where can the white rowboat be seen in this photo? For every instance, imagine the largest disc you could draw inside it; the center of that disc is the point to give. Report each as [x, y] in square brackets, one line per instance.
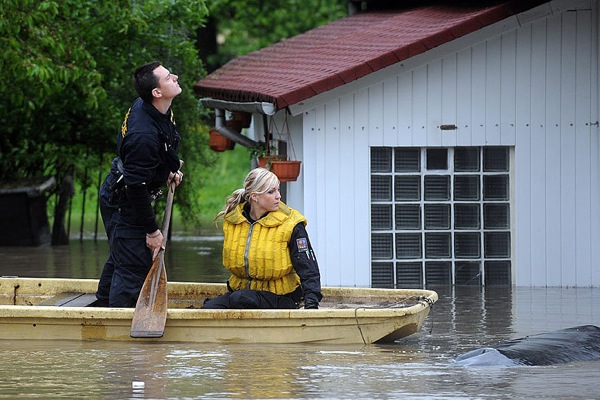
[59, 309]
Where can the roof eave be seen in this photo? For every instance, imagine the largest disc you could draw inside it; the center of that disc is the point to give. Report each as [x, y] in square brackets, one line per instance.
[261, 107]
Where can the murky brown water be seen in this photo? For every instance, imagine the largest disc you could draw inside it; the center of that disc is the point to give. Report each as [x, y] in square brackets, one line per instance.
[419, 366]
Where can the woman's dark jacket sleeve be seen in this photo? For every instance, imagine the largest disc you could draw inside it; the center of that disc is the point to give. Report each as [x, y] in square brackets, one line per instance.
[306, 266]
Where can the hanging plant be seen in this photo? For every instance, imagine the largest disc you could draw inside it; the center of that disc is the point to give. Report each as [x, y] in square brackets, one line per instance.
[218, 142]
[286, 170]
[260, 151]
[244, 118]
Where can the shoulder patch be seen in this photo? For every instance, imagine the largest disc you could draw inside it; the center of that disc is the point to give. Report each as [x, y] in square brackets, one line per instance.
[124, 125]
[302, 244]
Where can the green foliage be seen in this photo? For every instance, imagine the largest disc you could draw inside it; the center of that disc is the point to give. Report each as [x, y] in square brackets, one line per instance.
[260, 150]
[222, 179]
[248, 25]
[67, 67]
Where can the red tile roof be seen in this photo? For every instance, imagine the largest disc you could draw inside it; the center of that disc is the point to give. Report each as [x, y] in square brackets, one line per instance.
[342, 51]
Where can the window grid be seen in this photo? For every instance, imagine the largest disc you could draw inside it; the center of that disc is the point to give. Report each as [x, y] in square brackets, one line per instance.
[448, 254]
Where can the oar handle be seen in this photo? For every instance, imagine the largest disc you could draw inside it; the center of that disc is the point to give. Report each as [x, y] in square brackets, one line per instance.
[167, 217]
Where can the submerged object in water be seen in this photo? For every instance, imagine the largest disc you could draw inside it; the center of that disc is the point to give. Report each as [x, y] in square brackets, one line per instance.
[580, 343]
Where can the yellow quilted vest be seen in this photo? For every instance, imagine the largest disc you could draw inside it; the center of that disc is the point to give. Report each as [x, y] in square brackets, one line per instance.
[257, 255]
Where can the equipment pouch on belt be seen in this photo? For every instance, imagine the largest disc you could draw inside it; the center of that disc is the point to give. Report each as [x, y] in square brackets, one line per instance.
[117, 171]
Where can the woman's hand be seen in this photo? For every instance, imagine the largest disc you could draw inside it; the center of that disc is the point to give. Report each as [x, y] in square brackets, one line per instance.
[311, 303]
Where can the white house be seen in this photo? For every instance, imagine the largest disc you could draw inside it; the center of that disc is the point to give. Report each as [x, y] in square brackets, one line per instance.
[440, 144]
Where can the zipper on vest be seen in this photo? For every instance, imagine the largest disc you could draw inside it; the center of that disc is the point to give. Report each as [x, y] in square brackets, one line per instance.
[246, 266]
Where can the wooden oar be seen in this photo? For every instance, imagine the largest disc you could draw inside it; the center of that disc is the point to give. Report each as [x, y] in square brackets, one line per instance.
[150, 313]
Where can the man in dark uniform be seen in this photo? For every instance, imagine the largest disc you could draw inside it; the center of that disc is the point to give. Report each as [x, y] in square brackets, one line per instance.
[146, 159]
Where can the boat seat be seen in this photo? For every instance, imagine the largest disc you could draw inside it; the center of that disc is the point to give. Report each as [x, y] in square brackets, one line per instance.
[70, 299]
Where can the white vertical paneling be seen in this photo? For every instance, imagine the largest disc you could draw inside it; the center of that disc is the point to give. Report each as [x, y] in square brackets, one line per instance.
[478, 86]
[376, 115]
[524, 232]
[390, 107]
[522, 265]
[309, 173]
[586, 174]
[310, 178]
[434, 104]
[449, 99]
[295, 193]
[568, 155]
[493, 89]
[464, 98]
[405, 109]
[347, 190]
[553, 150]
[361, 196]
[594, 148]
[537, 206]
[419, 98]
[508, 88]
[333, 191]
[319, 224]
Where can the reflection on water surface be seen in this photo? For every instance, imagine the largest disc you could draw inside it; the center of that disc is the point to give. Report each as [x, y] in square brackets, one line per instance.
[187, 258]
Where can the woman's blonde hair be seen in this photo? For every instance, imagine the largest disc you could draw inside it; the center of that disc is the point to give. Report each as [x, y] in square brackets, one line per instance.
[259, 181]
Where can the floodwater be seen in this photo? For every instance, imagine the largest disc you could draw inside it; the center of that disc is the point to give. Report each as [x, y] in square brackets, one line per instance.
[420, 366]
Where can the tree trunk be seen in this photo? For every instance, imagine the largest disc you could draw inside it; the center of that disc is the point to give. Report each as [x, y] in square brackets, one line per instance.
[59, 233]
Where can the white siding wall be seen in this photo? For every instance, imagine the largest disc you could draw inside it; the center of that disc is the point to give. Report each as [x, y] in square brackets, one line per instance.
[532, 86]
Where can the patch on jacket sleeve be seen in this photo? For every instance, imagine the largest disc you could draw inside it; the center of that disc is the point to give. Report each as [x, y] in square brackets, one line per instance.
[302, 244]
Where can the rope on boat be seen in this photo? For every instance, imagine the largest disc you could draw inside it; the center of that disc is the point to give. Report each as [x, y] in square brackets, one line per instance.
[17, 286]
[430, 304]
[420, 299]
[358, 324]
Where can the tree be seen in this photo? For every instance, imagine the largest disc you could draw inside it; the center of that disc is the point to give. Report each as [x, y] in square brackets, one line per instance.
[66, 67]
[242, 26]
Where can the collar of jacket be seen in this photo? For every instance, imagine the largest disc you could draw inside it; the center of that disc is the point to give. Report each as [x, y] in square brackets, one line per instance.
[153, 111]
[271, 219]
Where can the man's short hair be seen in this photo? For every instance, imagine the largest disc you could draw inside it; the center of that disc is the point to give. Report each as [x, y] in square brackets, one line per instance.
[145, 81]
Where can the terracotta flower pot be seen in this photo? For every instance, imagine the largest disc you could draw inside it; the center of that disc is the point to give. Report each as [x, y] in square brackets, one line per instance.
[218, 142]
[244, 118]
[286, 171]
[234, 124]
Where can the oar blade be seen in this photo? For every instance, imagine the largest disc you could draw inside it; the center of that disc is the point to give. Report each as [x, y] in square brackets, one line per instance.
[150, 314]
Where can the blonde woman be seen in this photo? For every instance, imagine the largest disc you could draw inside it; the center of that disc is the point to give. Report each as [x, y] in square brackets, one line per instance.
[266, 249]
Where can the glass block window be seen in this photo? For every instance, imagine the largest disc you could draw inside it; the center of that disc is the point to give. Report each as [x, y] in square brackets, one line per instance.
[468, 273]
[437, 159]
[408, 216]
[381, 188]
[382, 217]
[409, 245]
[407, 188]
[437, 187]
[440, 216]
[467, 159]
[407, 159]
[437, 216]
[409, 274]
[382, 275]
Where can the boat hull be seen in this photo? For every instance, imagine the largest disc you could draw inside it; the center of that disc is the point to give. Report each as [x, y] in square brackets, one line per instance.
[348, 315]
